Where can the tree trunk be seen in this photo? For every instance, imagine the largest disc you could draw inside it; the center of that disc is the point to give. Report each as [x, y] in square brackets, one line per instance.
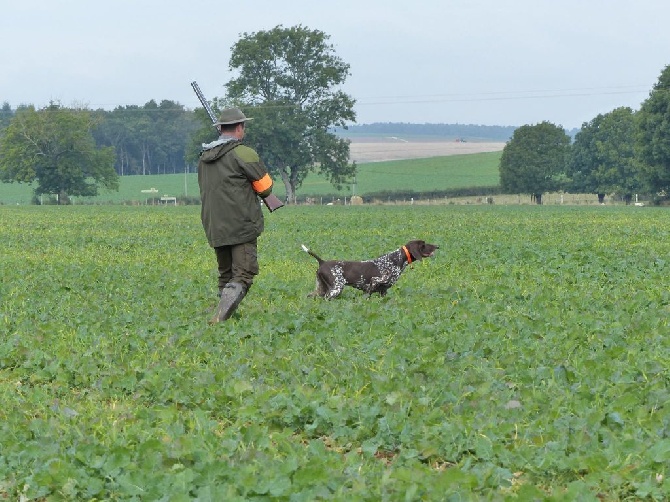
[290, 190]
[538, 198]
[294, 183]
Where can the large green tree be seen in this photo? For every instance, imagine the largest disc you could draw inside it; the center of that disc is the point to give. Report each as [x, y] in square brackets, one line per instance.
[289, 80]
[653, 138]
[533, 161]
[603, 158]
[54, 147]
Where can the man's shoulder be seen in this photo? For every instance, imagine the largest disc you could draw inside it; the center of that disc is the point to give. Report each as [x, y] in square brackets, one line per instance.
[247, 154]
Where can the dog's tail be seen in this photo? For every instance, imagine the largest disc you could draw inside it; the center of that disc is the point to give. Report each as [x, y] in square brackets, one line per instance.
[311, 253]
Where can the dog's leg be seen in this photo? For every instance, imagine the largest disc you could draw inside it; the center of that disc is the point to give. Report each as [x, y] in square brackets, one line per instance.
[379, 285]
[333, 293]
[319, 288]
[325, 282]
[334, 282]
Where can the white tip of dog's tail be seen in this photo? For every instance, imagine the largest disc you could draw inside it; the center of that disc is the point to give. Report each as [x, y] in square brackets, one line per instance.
[304, 248]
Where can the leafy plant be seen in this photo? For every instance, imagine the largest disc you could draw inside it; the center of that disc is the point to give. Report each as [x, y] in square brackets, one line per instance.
[526, 360]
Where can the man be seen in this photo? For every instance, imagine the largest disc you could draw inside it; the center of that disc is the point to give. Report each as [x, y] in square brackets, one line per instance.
[231, 176]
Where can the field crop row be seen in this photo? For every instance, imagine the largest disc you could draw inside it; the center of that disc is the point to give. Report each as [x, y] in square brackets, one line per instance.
[527, 360]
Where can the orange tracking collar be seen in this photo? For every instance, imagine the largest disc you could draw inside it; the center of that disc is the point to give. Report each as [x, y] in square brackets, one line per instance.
[409, 256]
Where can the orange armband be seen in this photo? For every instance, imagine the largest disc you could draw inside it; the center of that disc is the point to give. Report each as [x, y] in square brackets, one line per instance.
[262, 184]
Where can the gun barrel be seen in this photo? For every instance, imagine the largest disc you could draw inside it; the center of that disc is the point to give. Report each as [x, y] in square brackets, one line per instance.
[272, 202]
[203, 101]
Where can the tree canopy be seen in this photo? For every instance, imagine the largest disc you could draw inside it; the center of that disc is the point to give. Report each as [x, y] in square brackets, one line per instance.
[288, 80]
[603, 159]
[653, 135]
[6, 114]
[533, 160]
[148, 139]
[54, 147]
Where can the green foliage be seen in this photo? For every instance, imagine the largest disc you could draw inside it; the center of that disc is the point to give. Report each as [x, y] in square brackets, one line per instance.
[6, 114]
[290, 79]
[527, 360]
[54, 147]
[149, 139]
[602, 159]
[534, 160]
[653, 138]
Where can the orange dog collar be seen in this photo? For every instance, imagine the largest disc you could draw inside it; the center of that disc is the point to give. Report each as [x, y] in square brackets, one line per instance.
[409, 256]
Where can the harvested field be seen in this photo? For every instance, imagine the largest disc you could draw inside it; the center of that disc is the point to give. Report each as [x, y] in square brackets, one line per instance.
[377, 150]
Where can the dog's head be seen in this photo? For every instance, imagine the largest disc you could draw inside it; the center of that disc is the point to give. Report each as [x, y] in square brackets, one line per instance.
[420, 249]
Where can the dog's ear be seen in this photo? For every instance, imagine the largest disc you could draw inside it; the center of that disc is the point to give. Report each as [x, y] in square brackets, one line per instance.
[414, 248]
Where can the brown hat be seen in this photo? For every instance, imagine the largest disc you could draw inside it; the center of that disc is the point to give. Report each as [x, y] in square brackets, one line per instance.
[231, 116]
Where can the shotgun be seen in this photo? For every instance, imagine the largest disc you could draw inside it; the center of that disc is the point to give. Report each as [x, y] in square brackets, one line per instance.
[272, 202]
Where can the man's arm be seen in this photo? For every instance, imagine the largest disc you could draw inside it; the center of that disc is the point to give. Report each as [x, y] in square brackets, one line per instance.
[263, 187]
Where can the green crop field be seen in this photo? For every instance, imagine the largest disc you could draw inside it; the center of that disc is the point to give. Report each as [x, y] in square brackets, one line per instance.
[527, 360]
[436, 173]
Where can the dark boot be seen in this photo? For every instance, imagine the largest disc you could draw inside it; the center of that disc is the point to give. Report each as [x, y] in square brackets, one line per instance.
[231, 296]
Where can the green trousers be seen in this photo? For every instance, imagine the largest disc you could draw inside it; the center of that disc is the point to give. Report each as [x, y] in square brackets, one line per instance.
[237, 263]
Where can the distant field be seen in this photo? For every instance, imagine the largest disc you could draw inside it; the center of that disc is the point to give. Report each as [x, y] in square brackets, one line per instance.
[375, 150]
[419, 175]
[448, 166]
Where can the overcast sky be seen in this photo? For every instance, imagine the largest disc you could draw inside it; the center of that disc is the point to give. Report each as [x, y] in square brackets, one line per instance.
[489, 62]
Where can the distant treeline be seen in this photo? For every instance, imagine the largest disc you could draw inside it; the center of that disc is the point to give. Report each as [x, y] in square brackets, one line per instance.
[449, 131]
[159, 137]
[466, 132]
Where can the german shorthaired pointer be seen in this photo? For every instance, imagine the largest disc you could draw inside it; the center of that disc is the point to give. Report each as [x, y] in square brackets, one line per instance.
[371, 276]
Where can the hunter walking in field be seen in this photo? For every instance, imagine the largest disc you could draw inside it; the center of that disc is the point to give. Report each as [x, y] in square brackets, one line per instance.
[231, 176]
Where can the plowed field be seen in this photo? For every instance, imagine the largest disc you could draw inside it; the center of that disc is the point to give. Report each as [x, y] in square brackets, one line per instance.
[377, 151]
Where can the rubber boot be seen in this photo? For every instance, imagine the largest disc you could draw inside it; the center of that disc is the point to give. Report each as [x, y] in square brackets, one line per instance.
[231, 296]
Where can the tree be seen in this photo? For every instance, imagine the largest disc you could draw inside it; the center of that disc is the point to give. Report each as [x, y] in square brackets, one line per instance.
[114, 131]
[653, 137]
[533, 160]
[288, 80]
[603, 158]
[6, 115]
[54, 146]
[151, 139]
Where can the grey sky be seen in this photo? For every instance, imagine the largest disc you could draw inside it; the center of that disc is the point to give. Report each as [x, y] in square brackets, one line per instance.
[490, 62]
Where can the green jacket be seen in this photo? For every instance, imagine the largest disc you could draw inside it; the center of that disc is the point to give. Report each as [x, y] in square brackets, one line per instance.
[231, 176]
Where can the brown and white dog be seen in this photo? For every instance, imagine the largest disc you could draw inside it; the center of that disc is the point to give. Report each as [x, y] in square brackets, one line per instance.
[370, 276]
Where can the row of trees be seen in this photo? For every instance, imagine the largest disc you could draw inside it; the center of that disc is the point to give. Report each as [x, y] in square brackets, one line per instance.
[74, 150]
[464, 131]
[151, 139]
[622, 152]
[288, 80]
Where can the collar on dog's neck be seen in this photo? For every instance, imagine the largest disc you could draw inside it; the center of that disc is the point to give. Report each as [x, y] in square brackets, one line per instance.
[407, 254]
